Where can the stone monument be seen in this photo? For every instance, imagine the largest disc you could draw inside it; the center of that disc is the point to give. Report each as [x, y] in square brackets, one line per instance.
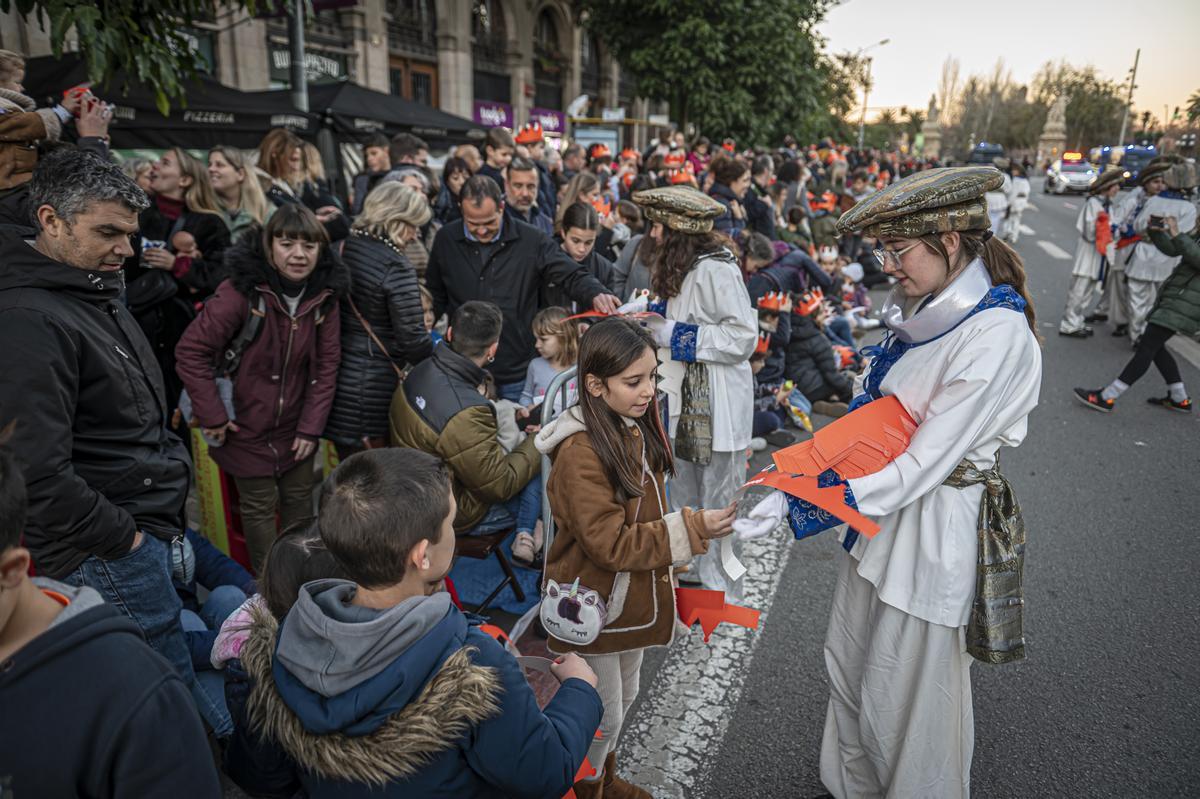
[931, 131]
[1054, 135]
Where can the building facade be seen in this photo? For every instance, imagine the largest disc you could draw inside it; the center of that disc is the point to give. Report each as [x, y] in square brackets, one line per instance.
[500, 62]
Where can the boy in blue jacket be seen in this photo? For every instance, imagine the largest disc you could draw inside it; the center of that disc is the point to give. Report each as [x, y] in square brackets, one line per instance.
[378, 685]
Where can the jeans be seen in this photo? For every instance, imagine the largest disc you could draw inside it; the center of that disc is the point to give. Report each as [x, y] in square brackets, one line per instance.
[259, 497]
[209, 688]
[529, 507]
[139, 585]
[837, 330]
[765, 423]
[510, 391]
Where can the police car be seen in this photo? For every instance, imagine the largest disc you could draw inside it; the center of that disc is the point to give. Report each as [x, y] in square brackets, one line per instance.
[1071, 173]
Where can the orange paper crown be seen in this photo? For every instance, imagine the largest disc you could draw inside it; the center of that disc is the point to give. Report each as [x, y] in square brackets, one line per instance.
[771, 301]
[728, 145]
[675, 158]
[599, 150]
[810, 302]
[681, 176]
[629, 154]
[764, 344]
[530, 133]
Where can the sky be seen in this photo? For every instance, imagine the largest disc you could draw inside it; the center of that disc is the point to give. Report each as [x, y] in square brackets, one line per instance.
[1026, 33]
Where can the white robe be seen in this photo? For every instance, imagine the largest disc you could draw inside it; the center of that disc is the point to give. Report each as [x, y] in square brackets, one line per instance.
[1010, 228]
[1087, 257]
[714, 297]
[998, 202]
[970, 392]
[1147, 263]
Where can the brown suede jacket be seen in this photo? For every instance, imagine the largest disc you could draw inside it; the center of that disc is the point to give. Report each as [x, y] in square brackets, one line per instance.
[21, 126]
[625, 551]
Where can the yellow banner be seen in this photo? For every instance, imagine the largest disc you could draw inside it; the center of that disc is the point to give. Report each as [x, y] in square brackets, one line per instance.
[214, 516]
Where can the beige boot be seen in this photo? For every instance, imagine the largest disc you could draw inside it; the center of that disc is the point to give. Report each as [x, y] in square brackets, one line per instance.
[617, 788]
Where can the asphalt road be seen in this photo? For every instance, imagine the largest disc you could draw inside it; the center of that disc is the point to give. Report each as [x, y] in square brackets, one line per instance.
[1105, 704]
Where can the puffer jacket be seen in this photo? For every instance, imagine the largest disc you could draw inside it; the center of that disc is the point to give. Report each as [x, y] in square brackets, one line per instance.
[623, 550]
[285, 384]
[438, 409]
[78, 376]
[727, 223]
[450, 717]
[1178, 305]
[384, 289]
[812, 364]
[21, 126]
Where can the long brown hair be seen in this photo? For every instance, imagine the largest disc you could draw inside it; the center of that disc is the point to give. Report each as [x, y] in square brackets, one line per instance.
[275, 152]
[1003, 263]
[606, 350]
[582, 183]
[671, 259]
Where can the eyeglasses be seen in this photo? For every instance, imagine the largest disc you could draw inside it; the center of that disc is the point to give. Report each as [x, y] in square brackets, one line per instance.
[885, 256]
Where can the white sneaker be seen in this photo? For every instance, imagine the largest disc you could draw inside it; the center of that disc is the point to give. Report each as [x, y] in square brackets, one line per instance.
[758, 444]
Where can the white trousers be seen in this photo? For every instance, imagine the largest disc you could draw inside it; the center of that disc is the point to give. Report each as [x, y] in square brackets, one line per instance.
[1011, 227]
[711, 486]
[618, 682]
[1114, 302]
[1078, 299]
[900, 722]
[1142, 295]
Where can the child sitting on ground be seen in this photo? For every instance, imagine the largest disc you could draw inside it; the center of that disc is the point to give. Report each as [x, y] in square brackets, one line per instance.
[378, 684]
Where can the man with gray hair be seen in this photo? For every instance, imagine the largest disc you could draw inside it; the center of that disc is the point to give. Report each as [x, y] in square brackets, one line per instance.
[106, 479]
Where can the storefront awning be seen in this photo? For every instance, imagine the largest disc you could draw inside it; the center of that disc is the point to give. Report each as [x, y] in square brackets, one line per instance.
[214, 114]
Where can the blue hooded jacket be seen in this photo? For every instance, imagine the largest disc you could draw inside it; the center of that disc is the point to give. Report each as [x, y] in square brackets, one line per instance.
[413, 701]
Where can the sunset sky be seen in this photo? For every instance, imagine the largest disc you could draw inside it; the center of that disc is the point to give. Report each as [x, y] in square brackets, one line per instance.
[1026, 33]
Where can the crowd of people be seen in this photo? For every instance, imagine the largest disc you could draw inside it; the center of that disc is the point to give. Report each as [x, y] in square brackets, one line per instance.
[709, 299]
[1139, 252]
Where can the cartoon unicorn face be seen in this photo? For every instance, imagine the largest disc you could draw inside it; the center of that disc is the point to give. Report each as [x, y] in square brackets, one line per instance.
[572, 614]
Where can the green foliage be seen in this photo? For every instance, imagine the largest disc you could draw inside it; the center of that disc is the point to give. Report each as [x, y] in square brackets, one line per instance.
[1096, 105]
[750, 69]
[1193, 107]
[143, 38]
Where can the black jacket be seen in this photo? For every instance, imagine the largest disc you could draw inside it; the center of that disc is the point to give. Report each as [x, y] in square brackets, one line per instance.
[79, 377]
[519, 266]
[812, 364]
[163, 304]
[775, 278]
[384, 289]
[90, 710]
[760, 215]
[596, 265]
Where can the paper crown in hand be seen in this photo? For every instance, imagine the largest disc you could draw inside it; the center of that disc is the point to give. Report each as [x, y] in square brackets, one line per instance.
[530, 133]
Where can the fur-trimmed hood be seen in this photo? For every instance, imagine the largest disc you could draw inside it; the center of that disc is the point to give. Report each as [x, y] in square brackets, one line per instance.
[458, 696]
[247, 265]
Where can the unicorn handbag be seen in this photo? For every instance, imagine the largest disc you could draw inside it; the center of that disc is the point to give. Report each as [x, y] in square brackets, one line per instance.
[572, 613]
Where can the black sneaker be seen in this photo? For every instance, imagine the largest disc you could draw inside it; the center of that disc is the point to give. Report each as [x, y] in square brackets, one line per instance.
[1093, 318]
[1171, 405]
[1092, 399]
[1120, 330]
[1083, 332]
[780, 438]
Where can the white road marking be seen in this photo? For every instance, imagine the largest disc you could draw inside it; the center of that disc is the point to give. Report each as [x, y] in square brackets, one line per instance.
[1072, 206]
[687, 707]
[1031, 207]
[1027, 230]
[1054, 251]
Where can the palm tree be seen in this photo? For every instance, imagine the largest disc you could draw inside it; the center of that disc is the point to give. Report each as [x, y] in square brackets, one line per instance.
[1193, 107]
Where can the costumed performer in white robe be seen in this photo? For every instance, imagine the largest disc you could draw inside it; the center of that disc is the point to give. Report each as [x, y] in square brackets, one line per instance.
[1011, 230]
[1091, 265]
[962, 358]
[709, 322]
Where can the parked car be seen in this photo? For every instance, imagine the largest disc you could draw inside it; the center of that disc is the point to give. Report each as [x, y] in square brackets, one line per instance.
[985, 153]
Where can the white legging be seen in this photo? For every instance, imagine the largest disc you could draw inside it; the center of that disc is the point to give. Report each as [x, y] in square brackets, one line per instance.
[618, 680]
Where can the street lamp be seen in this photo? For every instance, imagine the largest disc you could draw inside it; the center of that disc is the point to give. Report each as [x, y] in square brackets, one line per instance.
[866, 87]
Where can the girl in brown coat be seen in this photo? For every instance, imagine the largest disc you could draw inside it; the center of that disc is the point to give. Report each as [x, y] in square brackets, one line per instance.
[615, 536]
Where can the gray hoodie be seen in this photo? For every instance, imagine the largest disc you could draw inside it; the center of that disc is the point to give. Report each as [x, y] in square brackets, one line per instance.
[330, 645]
[81, 598]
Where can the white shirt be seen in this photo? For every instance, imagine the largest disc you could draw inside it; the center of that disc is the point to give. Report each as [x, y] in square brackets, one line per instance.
[1087, 257]
[714, 297]
[970, 392]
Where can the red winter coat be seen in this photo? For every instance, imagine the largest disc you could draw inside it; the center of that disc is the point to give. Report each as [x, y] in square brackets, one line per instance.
[285, 384]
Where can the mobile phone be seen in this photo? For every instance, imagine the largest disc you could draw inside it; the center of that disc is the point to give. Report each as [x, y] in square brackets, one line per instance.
[1155, 223]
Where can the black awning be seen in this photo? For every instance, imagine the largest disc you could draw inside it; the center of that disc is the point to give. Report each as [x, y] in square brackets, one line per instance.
[356, 112]
[214, 113]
